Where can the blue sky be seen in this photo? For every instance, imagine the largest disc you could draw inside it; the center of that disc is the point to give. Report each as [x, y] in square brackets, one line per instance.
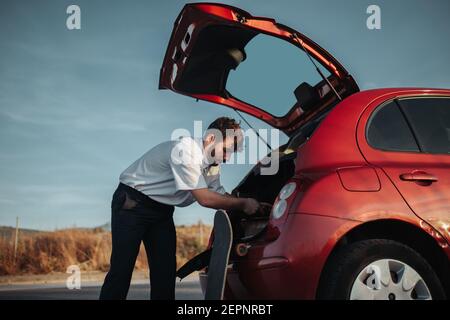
[77, 107]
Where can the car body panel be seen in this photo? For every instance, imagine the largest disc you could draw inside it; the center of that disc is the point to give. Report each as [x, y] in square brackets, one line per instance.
[307, 252]
[430, 202]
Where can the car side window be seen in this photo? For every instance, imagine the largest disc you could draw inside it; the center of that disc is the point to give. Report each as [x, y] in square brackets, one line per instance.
[388, 130]
[430, 120]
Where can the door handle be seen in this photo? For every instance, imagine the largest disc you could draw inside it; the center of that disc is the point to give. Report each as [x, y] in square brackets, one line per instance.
[420, 177]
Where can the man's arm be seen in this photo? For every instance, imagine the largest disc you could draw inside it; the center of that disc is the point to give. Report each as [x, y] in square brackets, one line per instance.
[214, 200]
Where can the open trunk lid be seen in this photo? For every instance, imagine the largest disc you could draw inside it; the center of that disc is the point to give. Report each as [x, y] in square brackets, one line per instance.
[209, 40]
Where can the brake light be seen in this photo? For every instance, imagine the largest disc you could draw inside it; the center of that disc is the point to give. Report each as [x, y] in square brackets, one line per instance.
[280, 205]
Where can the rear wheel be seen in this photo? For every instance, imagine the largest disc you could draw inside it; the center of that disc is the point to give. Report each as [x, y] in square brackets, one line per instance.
[379, 269]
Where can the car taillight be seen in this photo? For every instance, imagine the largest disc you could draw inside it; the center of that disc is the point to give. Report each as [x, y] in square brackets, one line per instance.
[279, 209]
[287, 190]
[280, 205]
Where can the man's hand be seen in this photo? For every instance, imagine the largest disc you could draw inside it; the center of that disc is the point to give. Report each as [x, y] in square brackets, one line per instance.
[214, 200]
[251, 206]
[264, 208]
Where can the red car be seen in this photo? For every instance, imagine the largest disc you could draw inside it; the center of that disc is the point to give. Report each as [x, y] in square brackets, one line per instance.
[362, 195]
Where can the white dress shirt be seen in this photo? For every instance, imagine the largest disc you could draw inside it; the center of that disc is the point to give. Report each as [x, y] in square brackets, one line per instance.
[169, 171]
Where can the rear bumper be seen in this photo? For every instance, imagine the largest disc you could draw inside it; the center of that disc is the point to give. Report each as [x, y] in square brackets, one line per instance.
[269, 270]
[290, 267]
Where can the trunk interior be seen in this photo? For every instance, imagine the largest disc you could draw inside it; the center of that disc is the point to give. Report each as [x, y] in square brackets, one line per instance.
[265, 188]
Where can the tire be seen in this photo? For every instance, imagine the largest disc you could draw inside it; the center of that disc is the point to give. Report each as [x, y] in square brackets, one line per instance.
[351, 274]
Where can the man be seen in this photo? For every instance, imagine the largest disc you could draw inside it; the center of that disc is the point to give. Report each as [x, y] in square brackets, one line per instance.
[173, 173]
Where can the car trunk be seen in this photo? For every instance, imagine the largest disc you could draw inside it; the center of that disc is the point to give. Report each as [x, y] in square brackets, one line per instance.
[248, 230]
[263, 188]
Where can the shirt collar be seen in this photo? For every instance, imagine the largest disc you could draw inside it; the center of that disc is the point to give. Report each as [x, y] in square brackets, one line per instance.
[205, 165]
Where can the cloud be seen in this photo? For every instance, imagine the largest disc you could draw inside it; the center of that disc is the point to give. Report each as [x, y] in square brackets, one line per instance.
[66, 55]
[93, 123]
[52, 195]
[7, 201]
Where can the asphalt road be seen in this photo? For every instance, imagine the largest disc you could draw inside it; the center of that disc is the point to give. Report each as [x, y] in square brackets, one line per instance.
[187, 290]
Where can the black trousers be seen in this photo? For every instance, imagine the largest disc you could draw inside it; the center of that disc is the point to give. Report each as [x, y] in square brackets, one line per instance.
[136, 218]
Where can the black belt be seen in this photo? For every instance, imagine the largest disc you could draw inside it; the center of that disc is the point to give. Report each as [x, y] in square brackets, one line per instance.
[144, 199]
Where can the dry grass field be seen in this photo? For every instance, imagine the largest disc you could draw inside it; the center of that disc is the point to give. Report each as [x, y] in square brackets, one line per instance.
[90, 249]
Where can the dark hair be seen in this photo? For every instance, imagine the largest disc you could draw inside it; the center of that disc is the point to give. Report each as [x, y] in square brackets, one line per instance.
[223, 124]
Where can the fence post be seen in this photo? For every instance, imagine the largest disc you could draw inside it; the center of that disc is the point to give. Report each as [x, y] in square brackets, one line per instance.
[16, 239]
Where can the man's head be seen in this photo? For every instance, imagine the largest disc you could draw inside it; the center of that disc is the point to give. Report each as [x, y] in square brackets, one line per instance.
[223, 137]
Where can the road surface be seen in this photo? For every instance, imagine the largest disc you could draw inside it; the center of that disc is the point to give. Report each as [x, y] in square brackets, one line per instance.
[188, 289]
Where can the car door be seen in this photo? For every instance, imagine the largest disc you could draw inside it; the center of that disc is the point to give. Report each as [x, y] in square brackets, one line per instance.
[410, 137]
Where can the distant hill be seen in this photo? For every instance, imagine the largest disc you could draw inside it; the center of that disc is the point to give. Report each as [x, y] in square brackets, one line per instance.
[104, 227]
[9, 232]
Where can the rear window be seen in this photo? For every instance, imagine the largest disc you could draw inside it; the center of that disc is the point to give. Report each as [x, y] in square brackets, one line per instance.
[274, 68]
[388, 130]
[430, 120]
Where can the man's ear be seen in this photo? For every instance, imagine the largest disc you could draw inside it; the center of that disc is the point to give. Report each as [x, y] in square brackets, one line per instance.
[210, 138]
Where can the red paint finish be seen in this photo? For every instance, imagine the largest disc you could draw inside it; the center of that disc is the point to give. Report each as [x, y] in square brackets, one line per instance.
[359, 179]
[305, 242]
[422, 179]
